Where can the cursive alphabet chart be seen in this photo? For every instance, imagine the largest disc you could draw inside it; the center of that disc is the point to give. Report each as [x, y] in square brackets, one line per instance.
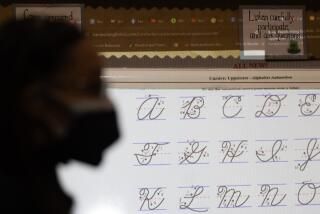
[210, 151]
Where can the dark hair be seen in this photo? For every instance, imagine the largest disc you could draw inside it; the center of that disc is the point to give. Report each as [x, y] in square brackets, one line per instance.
[30, 50]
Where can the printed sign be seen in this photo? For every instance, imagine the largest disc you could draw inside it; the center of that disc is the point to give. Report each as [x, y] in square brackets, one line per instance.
[54, 12]
[272, 33]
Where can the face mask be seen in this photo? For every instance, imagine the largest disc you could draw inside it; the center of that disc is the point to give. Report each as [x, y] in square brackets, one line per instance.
[88, 128]
[92, 127]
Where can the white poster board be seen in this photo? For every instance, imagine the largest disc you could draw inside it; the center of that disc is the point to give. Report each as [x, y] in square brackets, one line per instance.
[56, 12]
[273, 32]
[208, 151]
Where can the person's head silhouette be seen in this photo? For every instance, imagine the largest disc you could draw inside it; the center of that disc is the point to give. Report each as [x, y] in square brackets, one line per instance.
[52, 110]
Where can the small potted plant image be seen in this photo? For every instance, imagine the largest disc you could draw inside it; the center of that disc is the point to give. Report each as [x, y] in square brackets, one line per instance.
[293, 47]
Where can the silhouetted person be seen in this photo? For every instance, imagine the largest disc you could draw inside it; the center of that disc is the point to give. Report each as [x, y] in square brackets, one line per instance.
[52, 110]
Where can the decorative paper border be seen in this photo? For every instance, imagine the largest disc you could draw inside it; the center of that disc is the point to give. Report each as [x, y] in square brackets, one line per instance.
[173, 54]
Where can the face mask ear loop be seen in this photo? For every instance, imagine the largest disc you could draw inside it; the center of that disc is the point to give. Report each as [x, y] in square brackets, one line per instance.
[61, 108]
